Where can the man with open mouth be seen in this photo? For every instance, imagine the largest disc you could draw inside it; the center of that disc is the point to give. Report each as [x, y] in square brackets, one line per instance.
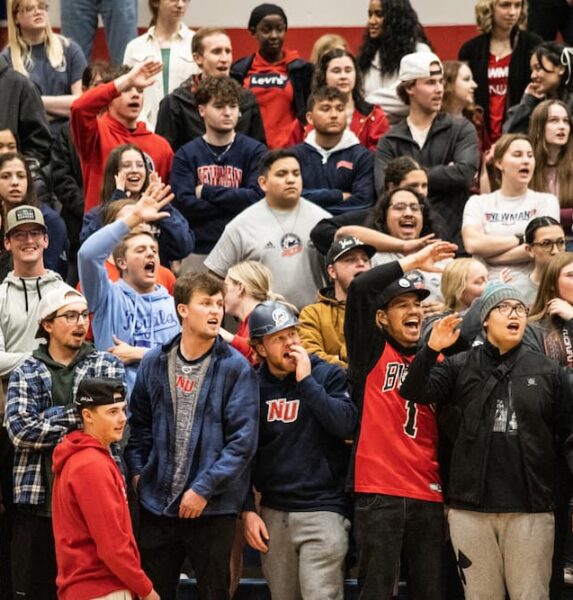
[513, 414]
[134, 314]
[398, 506]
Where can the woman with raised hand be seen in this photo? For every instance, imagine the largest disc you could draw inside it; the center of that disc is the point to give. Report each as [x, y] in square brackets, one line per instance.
[493, 225]
[393, 30]
[499, 58]
[127, 175]
[53, 63]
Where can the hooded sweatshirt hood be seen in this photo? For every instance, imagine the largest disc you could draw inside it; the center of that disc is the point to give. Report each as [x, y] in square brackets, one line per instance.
[348, 140]
[74, 442]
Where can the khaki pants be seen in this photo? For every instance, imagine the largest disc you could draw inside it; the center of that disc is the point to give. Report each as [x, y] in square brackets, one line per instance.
[496, 551]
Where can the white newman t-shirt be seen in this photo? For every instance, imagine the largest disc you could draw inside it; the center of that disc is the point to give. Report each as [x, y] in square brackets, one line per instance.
[503, 215]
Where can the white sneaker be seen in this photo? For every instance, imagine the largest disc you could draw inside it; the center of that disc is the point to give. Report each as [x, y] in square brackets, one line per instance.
[568, 575]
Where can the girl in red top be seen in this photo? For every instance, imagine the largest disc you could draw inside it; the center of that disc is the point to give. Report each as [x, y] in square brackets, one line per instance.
[338, 68]
[279, 78]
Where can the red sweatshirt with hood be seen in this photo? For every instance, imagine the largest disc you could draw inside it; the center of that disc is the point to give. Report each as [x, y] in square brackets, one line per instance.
[95, 547]
[96, 136]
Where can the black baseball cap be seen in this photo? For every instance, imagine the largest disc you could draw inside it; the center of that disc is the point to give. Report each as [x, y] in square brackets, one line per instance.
[410, 282]
[99, 391]
[345, 244]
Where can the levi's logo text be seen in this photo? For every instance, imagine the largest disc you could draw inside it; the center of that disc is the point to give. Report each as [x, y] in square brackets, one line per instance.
[268, 80]
[282, 410]
[225, 176]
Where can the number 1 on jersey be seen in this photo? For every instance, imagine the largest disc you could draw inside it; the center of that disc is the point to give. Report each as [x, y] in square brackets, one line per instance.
[410, 428]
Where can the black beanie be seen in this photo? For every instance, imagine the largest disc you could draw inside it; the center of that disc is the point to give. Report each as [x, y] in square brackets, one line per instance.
[264, 10]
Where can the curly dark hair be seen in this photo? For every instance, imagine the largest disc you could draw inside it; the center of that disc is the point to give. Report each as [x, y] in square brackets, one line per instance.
[401, 31]
[377, 217]
[223, 89]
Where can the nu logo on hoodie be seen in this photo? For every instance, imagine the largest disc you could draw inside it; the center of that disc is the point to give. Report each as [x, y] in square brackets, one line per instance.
[283, 410]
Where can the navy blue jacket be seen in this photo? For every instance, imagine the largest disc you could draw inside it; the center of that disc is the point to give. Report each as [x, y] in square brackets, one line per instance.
[232, 185]
[223, 436]
[350, 169]
[302, 457]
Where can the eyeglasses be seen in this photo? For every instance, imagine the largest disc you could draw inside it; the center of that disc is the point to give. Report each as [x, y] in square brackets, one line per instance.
[402, 206]
[506, 309]
[32, 8]
[547, 245]
[73, 316]
[22, 235]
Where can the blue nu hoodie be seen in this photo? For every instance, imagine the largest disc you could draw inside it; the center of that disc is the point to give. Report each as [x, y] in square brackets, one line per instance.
[302, 456]
[142, 320]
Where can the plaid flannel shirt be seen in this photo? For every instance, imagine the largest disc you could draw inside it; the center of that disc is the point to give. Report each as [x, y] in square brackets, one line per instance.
[35, 425]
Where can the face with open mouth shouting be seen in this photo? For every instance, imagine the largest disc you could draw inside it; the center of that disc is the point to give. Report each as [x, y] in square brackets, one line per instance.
[402, 319]
[517, 164]
[132, 165]
[557, 126]
[505, 324]
[127, 107]
[404, 218]
[276, 349]
[140, 262]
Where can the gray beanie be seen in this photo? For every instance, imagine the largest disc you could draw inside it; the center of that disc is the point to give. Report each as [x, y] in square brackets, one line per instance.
[495, 293]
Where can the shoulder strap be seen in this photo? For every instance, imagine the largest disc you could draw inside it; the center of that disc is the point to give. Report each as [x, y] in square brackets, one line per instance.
[474, 410]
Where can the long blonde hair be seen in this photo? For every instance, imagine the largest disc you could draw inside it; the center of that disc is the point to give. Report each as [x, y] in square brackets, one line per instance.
[21, 53]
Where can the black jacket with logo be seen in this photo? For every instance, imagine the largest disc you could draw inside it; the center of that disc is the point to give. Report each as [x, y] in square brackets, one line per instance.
[542, 401]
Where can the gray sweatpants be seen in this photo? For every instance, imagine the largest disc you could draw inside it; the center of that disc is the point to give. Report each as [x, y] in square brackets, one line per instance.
[499, 550]
[306, 554]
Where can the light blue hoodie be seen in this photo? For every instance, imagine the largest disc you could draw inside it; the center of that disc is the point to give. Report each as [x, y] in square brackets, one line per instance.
[142, 320]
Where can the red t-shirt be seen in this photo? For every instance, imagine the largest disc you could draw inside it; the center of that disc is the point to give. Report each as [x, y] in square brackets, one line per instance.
[274, 93]
[497, 80]
[397, 447]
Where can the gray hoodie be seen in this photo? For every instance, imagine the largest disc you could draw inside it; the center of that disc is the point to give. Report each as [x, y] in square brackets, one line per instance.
[19, 299]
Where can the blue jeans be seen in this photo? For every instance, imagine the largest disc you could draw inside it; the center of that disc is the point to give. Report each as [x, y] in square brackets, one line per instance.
[80, 20]
[387, 527]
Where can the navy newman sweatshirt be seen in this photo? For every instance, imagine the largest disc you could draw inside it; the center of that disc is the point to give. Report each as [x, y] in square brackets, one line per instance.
[326, 174]
[229, 178]
[302, 458]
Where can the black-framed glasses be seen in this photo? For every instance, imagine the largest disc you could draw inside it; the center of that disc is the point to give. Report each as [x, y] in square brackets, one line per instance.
[506, 309]
[73, 316]
[547, 245]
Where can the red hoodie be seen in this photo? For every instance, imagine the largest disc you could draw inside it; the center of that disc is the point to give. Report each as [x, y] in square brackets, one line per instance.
[95, 547]
[96, 136]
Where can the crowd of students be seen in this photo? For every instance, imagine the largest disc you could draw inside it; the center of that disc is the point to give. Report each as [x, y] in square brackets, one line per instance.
[385, 237]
